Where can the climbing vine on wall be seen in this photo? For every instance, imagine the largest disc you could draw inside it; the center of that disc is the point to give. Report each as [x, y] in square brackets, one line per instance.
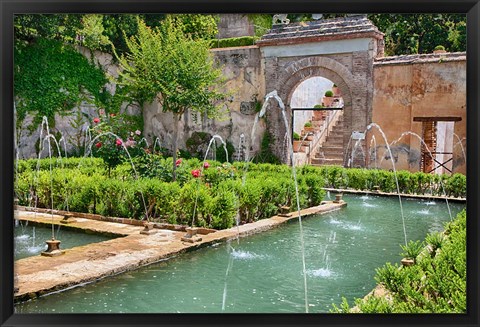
[52, 77]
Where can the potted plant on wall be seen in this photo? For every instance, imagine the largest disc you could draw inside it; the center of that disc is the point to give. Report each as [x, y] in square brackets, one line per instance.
[318, 114]
[296, 142]
[336, 90]
[439, 49]
[308, 127]
[328, 98]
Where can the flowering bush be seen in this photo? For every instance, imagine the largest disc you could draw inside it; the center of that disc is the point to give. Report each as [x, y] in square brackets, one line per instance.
[113, 142]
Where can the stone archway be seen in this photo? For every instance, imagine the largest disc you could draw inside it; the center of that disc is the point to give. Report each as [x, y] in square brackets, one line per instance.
[293, 54]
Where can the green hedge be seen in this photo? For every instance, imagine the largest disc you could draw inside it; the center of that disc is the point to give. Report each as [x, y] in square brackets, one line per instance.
[436, 283]
[409, 183]
[233, 42]
[214, 200]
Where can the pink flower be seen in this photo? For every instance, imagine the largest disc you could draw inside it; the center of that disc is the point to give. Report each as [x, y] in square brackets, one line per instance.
[98, 145]
[196, 173]
[101, 112]
[96, 120]
[118, 142]
[206, 165]
[130, 143]
[138, 132]
[178, 162]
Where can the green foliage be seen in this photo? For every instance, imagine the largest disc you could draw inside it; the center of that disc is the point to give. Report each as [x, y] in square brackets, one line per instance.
[220, 154]
[439, 47]
[435, 284]
[115, 142]
[329, 94]
[420, 33]
[308, 124]
[233, 42]
[197, 26]
[224, 208]
[435, 240]
[409, 183]
[296, 136]
[266, 154]
[218, 191]
[167, 65]
[52, 77]
[412, 249]
[261, 23]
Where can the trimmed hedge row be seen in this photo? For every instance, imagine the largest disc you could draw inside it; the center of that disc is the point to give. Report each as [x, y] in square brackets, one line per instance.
[409, 183]
[156, 166]
[436, 283]
[216, 199]
[233, 42]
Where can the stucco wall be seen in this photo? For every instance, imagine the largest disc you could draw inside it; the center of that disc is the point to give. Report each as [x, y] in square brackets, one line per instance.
[417, 86]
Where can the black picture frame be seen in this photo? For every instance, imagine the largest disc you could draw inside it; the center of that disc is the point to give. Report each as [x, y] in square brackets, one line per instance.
[10, 7]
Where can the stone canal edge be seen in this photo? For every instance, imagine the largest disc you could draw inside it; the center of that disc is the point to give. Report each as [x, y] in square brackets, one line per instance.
[131, 249]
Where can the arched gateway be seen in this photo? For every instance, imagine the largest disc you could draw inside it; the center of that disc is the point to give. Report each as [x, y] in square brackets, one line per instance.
[341, 50]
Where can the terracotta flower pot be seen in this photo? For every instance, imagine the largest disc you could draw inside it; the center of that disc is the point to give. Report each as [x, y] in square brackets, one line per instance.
[327, 101]
[296, 146]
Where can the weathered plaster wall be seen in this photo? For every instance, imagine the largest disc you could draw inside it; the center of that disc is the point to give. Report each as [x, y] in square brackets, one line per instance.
[243, 69]
[417, 86]
[234, 25]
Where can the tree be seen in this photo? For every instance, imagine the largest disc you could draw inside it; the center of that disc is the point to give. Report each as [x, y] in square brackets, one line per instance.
[167, 65]
[421, 33]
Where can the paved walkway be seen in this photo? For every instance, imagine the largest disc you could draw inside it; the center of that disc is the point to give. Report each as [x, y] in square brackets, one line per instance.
[40, 275]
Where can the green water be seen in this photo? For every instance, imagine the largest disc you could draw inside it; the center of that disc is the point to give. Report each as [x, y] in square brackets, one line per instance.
[30, 240]
[342, 251]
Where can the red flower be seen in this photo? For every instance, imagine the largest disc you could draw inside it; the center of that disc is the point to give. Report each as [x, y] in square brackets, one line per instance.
[178, 162]
[196, 173]
[112, 115]
[118, 142]
[206, 165]
[98, 145]
[96, 120]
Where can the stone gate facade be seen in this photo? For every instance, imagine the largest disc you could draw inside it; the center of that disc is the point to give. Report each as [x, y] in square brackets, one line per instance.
[342, 50]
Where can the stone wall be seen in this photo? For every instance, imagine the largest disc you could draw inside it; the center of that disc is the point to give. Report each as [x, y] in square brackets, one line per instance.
[409, 88]
[234, 25]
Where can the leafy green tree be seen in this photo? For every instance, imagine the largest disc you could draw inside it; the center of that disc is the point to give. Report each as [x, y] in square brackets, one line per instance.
[166, 65]
[421, 33]
[198, 26]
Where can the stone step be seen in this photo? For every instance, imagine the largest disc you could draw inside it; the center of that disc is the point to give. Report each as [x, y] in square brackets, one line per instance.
[322, 161]
[334, 142]
[331, 151]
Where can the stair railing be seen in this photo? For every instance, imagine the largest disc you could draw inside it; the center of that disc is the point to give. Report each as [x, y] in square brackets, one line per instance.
[325, 129]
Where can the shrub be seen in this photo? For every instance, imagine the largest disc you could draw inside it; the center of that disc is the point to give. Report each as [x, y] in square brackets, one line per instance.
[296, 136]
[433, 285]
[194, 204]
[308, 124]
[233, 42]
[439, 47]
[224, 208]
[329, 94]
[412, 250]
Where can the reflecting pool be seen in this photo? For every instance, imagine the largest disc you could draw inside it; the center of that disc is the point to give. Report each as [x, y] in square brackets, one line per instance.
[30, 240]
[342, 250]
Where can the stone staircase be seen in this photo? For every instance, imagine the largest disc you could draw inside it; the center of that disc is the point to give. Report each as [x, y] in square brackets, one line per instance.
[331, 151]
